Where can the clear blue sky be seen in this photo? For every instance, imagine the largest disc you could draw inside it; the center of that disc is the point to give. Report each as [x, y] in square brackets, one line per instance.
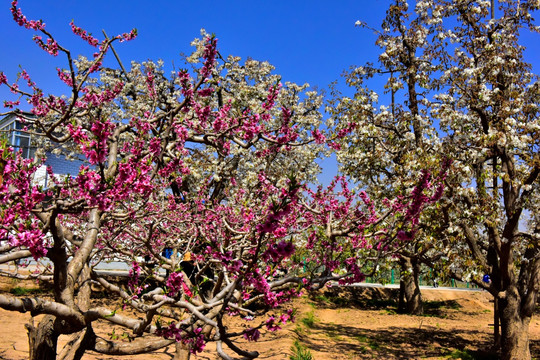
[307, 41]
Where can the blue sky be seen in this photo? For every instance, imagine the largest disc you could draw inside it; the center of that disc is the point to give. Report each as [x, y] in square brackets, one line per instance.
[307, 41]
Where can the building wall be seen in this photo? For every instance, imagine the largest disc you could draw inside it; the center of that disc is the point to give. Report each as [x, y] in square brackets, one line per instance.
[60, 167]
[12, 128]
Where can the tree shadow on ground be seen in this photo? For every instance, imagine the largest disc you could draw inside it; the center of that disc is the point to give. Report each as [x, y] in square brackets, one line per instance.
[355, 297]
[397, 343]
[535, 347]
[376, 299]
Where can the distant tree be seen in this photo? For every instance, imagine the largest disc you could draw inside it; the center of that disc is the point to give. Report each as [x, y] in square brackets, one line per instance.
[389, 147]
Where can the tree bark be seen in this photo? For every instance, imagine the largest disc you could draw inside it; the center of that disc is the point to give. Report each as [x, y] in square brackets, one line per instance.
[182, 351]
[514, 328]
[410, 297]
[42, 340]
[78, 344]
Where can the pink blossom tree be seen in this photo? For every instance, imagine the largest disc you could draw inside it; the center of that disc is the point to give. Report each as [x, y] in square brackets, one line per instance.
[193, 164]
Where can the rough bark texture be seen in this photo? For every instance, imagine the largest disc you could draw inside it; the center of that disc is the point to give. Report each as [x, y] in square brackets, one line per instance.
[514, 329]
[410, 297]
[42, 340]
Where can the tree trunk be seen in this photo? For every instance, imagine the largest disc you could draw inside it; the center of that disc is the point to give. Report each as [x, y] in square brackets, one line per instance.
[410, 298]
[182, 351]
[514, 328]
[78, 344]
[42, 339]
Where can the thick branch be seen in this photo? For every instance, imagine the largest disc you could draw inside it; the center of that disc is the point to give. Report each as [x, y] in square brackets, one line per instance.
[39, 306]
[138, 346]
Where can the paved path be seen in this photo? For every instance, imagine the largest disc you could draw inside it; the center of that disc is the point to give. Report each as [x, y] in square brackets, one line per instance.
[396, 286]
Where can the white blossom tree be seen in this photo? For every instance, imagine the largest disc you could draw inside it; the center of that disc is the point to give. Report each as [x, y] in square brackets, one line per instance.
[469, 95]
[489, 109]
[389, 147]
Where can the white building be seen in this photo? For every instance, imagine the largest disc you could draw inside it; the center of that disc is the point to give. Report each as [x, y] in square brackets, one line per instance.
[14, 130]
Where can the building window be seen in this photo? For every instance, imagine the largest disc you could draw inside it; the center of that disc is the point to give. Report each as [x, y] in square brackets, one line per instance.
[18, 138]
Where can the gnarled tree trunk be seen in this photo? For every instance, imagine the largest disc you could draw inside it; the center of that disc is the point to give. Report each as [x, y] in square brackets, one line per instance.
[514, 327]
[42, 340]
[410, 298]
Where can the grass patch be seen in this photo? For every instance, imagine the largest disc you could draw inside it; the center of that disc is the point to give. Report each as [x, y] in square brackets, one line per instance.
[22, 291]
[463, 355]
[372, 343]
[300, 352]
[361, 338]
[471, 355]
[322, 298]
[363, 349]
[308, 320]
[299, 330]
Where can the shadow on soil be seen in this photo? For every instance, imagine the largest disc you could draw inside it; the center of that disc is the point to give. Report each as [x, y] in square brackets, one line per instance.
[398, 343]
[376, 299]
[360, 298]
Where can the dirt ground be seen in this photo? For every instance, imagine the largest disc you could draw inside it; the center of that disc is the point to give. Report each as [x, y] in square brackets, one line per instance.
[350, 323]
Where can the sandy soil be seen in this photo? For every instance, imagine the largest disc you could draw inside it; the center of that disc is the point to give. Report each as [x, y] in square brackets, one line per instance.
[337, 324]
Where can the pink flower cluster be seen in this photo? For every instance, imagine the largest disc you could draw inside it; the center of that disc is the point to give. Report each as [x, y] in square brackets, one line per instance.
[128, 36]
[176, 285]
[280, 251]
[195, 341]
[21, 19]
[419, 199]
[134, 274]
[51, 46]
[277, 212]
[251, 334]
[18, 196]
[209, 56]
[84, 35]
[272, 322]
[150, 83]
[33, 240]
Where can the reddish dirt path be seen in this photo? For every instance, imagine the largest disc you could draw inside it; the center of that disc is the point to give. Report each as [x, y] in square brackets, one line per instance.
[352, 324]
